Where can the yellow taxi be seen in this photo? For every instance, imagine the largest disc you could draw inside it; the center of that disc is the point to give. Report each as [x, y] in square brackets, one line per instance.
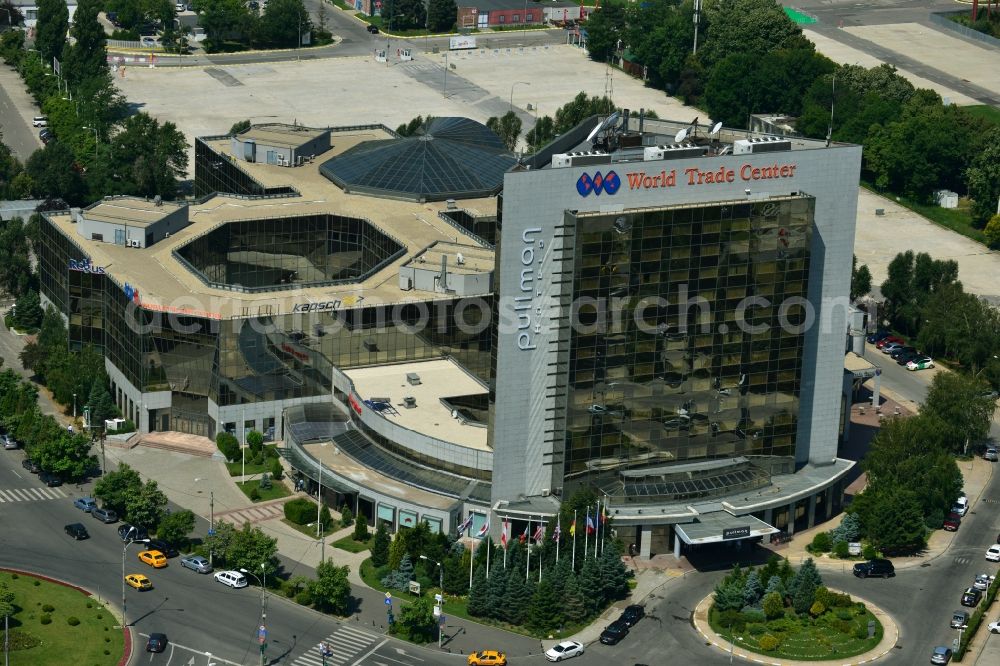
[153, 558]
[139, 582]
[487, 658]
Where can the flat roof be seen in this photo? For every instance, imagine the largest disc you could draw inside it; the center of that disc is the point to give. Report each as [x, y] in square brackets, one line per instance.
[440, 378]
[130, 210]
[166, 284]
[474, 259]
[289, 136]
[855, 363]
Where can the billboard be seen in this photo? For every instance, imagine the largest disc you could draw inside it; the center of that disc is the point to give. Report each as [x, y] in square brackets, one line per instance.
[461, 42]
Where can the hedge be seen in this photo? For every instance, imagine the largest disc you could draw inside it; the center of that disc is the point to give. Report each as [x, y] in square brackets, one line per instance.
[977, 619]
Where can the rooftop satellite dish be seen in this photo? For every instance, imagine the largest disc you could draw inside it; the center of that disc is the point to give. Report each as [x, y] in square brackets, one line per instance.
[715, 128]
[681, 135]
[605, 124]
[594, 132]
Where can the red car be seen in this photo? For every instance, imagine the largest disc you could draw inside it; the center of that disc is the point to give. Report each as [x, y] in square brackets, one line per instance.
[952, 522]
[884, 341]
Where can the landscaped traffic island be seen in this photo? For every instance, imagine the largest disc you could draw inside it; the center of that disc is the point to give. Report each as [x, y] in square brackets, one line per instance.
[54, 624]
[780, 612]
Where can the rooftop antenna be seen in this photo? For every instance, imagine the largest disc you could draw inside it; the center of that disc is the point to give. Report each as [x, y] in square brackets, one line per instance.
[697, 20]
[694, 127]
[681, 135]
[605, 125]
[715, 129]
[833, 97]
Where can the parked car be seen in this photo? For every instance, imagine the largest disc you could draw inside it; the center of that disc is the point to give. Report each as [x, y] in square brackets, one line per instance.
[139, 582]
[961, 506]
[86, 504]
[31, 466]
[878, 335]
[614, 632]
[959, 618]
[564, 650]
[952, 522]
[128, 532]
[46, 135]
[983, 581]
[487, 658]
[153, 558]
[890, 347]
[106, 516]
[162, 546]
[156, 643]
[993, 553]
[877, 567]
[941, 655]
[233, 579]
[196, 563]
[77, 531]
[9, 443]
[993, 627]
[989, 454]
[900, 351]
[632, 614]
[971, 597]
[887, 340]
[906, 357]
[373, 29]
[39, 121]
[51, 479]
[920, 363]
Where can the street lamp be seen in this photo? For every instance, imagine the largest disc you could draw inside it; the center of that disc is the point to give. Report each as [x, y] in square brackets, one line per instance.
[128, 542]
[97, 139]
[262, 636]
[74, 406]
[441, 581]
[510, 107]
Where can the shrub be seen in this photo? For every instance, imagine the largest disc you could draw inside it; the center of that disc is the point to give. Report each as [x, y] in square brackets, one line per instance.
[36, 583]
[14, 576]
[821, 543]
[45, 618]
[228, 446]
[255, 493]
[72, 621]
[300, 511]
[303, 598]
[107, 639]
[751, 615]
[346, 516]
[277, 471]
[869, 552]
[844, 615]
[844, 627]
[935, 519]
[48, 608]
[841, 550]
[90, 605]
[756, 629]
[732, 620]
[861, 631]
[817, 609]
[768, 643]
[773, 605]
[361, 528]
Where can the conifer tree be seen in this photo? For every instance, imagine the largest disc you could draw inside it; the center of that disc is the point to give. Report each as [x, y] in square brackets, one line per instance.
[496, 589]
[591, 586]
[546, 608]
[380, 547]
[479, 594]
[753, 590]
[574, 608]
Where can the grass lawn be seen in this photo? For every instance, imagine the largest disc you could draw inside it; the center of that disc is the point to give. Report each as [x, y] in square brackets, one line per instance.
[276, 491]
[957, 219]
[350, 545]
[344, 5]
[808, 639]
[991, 113]
[310, 529]
[95, 641]
[236, 468]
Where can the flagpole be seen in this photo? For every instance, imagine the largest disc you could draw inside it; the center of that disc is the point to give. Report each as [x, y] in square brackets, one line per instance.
[573, 536]
[597, 528]
[586, 536]
[489, 547]
[504, 528]
[558, 537]
[472, 561]
[541, 527]
[527, 543]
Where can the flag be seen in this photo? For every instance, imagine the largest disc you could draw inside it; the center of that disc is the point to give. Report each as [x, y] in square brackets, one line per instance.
[484, 530]
[590, 524]
[464, 527]
[524, 537]
[538, 535]
[604, 514]
[557, 532]
[572, 528]
[504, 529]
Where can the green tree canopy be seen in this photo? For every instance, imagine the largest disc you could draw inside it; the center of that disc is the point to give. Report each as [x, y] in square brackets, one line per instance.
[88, 56]
[963, 405]
[441, 15]
[331, 590]
[149, 158]
[404, 14]
[51, 27]
[146, 506]
[283, 23]
[749, 27]
[224, 19]
[175, 527]
[892, 519]
[507, 127]
[55, 173]
[861, 280]
[64, 453]
[604, 29]
[28, 311]
[249, 548]
[380, 546]
[115, 488]
[983, 178]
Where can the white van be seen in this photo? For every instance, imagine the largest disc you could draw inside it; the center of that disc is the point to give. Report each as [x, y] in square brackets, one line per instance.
[231, 578]
[40, 121]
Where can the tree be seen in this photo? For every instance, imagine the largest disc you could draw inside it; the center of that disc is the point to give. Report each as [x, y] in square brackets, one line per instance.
[518, 602]
[753, 590]
[331, 591]
[416, 620]
[66, 454]
[540, 134]
[87, 58]
[228, 445]
[405, 14]
[574, 608]
[441, 15]
[992, 232]
[50, 31]
[546, 609]
[146, 507]
[804, 585]
[591, 586]
[148, 158]
[175, 527]
[283, 23]
[751, 27]
[255, 441]
[54, 173]
[861, 279]
[238, 127]
[613, 574]
[912, 278]
[7, 608]
[728, 595]
[849, 529]
[361, 529]
[218, 544]
[249, 548]
[400, 577]
[496, 591]
[380, 547]
[891, 519]
[222, 20]
[114, 488]
[773, 605]
[347, 516]
[507, 127]
[604, 29]
[983, 179]
[397, 550]
[456, 572]
[963, 404]
[100, 404]
[478, 594]
[415, 126]
[28, 311]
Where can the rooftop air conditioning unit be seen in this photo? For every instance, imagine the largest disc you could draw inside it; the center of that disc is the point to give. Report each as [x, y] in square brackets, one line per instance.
[546, 492]
[409, 402]
[134, 243]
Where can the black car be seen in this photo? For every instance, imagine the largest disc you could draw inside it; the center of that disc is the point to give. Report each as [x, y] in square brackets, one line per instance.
[50, 479]
[31, 466]
[45, 134]
[616, 631]
[902, 351]
[971, 597]
[878, 335]
[163, 547]
[132, 532]
[77, 531]
[881, 568]
[156, 643]
[903, 359]
[632, 614]
[373, 29]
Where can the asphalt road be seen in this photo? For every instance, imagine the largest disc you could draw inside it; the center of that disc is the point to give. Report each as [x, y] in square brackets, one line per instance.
[17, 134]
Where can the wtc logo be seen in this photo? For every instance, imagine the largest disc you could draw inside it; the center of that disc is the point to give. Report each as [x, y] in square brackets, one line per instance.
[609, 183]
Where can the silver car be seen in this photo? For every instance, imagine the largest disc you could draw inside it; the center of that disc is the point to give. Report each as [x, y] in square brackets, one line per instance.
[990, 454]
[196, 563]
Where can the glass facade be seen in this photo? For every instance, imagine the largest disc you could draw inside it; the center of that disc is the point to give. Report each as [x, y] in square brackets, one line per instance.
[668, 359]
[217, 172]
[289, 252]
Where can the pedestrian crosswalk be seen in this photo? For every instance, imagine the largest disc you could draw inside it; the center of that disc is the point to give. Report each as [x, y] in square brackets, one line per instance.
[31, 494]
[962, 560]
[345, 646]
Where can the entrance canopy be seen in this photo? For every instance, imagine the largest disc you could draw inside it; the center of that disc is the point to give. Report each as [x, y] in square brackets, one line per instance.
[722, 526]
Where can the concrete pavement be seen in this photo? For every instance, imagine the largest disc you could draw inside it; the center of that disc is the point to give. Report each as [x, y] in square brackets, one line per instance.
[17, 108]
